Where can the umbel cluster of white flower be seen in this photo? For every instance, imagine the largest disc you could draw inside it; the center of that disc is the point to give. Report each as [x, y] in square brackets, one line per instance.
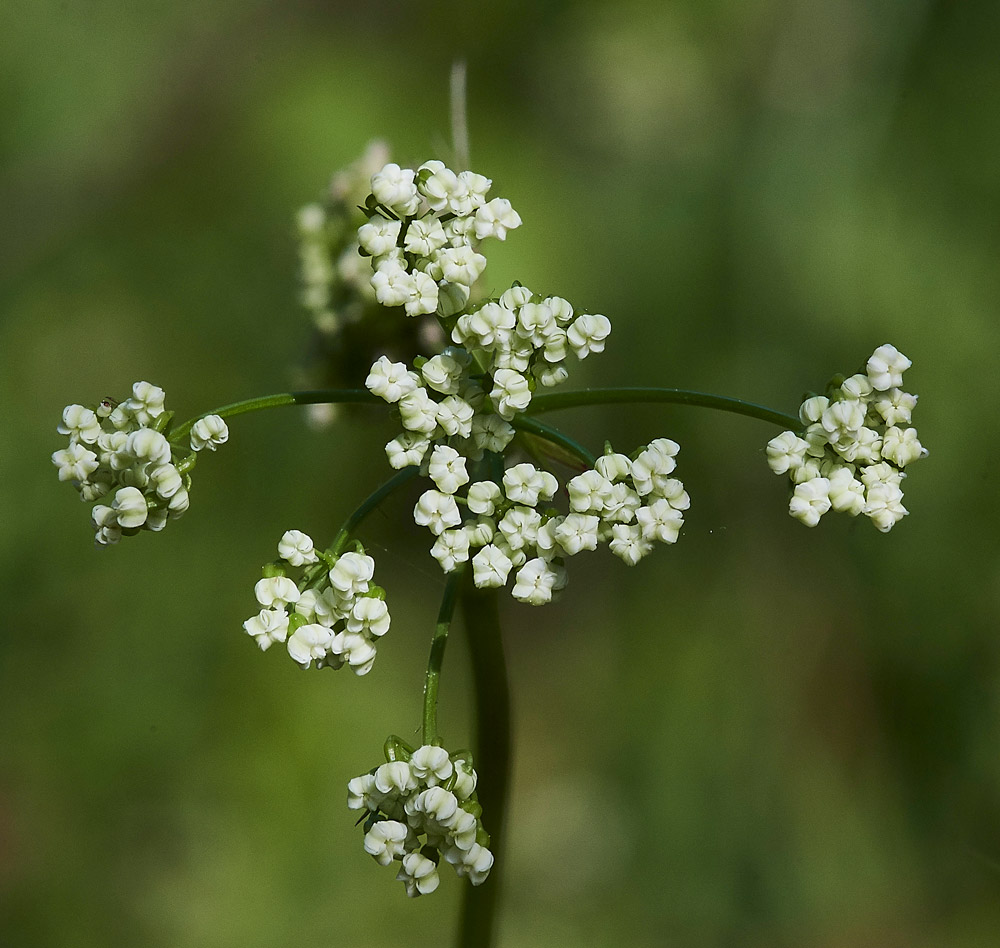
[421, 807]
[628, 503]
[856, 442]
[336, 284]
[120, 450]
[423, 239]
[333, 615]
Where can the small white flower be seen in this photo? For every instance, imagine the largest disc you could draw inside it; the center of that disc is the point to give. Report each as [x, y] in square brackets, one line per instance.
[490, 567]
[75, 463]
[491, 432]
[588, 333]
[455, 416]
[276, 592]
[130, 508]
[511, 393]
[268, 627]
[846, 415]
[895, 406]
[578, 532]
[387, 840]
[419, 874]
[884, 505]
[436, 511]
[901, 446]
[296, 548]
[847, 493]
[424, 236]
[370, 616]
[421, 295]
[148, 445]
[483, 496]
[394, 187]
[811, 410]
[534, 582]
[407, 450]
[519, 526]
[614, 467]
[857, 386]
[418, 412]
[628, 543]
[589, 492]
[886, 367]
[308, 643]
[660, 521]
[379, 236]
[495, 219]
[474, 863]
[460, 265]
[431, 764]
[810, 500]
[526, 484]
[391, 380]
[786, 452]
[209, 432]
[447, 469]
[81, 424]
[451, 549]
[394, 777]
[351, 573]
[443, 373]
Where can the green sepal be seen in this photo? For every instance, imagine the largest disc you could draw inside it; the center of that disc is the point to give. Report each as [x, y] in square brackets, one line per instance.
[162, 422]
[295, 621]
[272, 569]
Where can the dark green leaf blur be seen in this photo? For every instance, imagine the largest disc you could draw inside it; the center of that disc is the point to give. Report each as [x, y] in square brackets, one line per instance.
[764, 736]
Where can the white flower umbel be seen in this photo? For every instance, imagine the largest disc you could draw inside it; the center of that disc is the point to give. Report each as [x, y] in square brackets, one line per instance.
[856, 440]
[422, 811]
[331, 617]
[120, 453]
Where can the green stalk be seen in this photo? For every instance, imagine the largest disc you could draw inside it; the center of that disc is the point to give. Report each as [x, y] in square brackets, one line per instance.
[480, 611]
[368, 505]
[436, 659]
[552, 401]
[328, 396]
[555, 436]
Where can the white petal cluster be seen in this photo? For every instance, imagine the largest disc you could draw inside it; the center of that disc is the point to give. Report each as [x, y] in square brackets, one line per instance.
[509, 531]
[423, 235]
[422, 807]
[118, 453]
[332, 616]
[857, 439]
[335, 281]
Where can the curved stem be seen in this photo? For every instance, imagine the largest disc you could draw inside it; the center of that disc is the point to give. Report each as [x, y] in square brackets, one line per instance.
[368, 505]
[327, 396]
[555, 436]
[480, 611]
[314, 575]
[617, 396]
[436, 659]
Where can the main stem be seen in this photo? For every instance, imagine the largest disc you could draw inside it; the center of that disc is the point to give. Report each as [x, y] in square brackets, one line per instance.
[480, 611]
[436, 659]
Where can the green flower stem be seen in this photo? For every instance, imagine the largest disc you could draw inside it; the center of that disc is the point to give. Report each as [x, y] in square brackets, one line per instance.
[481, 615]
[368, 505]
[317, 571]
[617, 396]
[553, 435]
[327, 396]
[436, 659]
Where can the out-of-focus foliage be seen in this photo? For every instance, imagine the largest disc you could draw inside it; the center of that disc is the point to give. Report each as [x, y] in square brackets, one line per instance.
[765, 735]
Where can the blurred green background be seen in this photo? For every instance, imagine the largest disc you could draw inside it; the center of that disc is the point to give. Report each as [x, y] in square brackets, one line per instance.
[764, 736]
